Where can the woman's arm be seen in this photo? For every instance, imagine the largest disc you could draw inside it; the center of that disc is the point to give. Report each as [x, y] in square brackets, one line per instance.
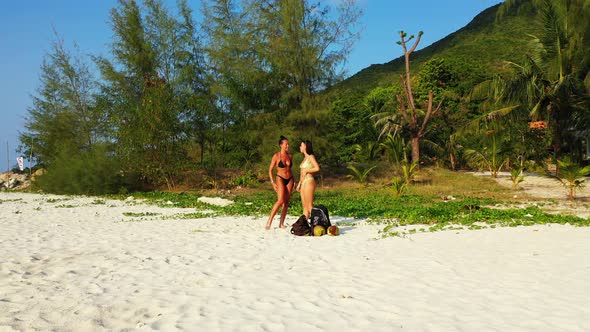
[301, 177]
[315, 167]
[273, 161]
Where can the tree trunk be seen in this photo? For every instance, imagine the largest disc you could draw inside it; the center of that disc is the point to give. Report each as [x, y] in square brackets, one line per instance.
[202, 144]
[415, 143]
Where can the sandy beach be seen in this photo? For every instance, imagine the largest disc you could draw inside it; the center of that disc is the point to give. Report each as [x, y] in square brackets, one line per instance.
[82, 264]
[538, 188]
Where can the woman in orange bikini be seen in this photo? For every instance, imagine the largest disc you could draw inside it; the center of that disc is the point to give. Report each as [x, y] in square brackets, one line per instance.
[284, 181]
[307, 185]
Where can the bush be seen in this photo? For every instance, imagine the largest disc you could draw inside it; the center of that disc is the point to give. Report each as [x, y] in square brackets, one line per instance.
[245, 180]
[90, 173]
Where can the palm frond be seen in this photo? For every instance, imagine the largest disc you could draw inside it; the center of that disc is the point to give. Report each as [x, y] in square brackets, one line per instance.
[475, 158]
[359, 174]
[438, 149]
[389, 123]
[477, 124]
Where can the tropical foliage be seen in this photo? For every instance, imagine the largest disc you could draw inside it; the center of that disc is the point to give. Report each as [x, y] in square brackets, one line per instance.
[571, 175]
[179, 102]
[516, 176]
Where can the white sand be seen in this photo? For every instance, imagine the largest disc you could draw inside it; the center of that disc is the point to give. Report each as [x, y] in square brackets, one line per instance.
[215, 201]
[541, 186]
[550, 191]
[83, 268]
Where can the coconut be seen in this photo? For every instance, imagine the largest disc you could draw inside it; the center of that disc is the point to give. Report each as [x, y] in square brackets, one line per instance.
[319, 230]
[333, 230]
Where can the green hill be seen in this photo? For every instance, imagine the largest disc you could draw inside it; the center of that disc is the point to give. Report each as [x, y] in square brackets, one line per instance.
[479, 49]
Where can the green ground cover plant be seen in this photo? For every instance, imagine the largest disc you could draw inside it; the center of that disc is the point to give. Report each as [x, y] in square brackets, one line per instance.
[194, 215]
[55, 200]
[65, 206]
[472, 207]
[140, 214]
[571, 176]
[11, 200]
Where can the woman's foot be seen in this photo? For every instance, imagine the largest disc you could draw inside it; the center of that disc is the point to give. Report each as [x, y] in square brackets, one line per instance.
[267, 227]
[282, 226]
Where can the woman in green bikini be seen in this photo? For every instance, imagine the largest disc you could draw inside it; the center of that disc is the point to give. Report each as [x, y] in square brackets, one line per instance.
[307, 185]
[284, 181]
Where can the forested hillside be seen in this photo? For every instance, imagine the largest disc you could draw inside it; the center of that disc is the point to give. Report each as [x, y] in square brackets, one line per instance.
[479, 50]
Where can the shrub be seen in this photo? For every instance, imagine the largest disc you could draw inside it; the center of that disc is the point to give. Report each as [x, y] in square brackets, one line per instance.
[516, 176]
[359, 174]
[571, 175]
[90, 173]
[245, 180]
[399, 185]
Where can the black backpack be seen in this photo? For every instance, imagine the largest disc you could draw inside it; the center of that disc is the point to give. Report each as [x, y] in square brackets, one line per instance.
[320, 216]
[301, 227]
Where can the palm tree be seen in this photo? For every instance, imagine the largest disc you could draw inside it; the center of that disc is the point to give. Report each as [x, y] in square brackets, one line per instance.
[359, 174]
[395, 148]
[448, 150]
[367, 153]
[553, 82]
[571, 175]
[380, 101]
[490, 157]
[491, 127]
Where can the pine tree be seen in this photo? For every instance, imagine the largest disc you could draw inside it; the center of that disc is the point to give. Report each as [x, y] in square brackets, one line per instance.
[64, 114]
[155, 88]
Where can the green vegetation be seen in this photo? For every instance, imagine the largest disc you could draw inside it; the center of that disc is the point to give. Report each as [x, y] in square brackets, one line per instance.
[140, 214]
[360, 175]
[245, 180]
[477, 49]
[65, 206]
[469, 216]
[146, 216]
[179, 103]
[194, 215]
[11, 200]
[257, 203]
[478, 203]
[55, 200]
[516, 176]
[409, 171]
[179, 100]
[399, 185]
[86, 173]
[571, 176]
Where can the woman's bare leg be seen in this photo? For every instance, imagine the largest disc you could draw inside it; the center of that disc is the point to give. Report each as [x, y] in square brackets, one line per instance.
[307, 196]
[303, 199]
[281, 190]
[286, 199]
[284, 211]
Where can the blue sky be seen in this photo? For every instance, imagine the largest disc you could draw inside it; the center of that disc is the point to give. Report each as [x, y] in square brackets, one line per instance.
[26, 35]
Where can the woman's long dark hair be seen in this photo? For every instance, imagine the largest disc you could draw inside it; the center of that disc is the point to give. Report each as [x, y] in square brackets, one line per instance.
[308, 146]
